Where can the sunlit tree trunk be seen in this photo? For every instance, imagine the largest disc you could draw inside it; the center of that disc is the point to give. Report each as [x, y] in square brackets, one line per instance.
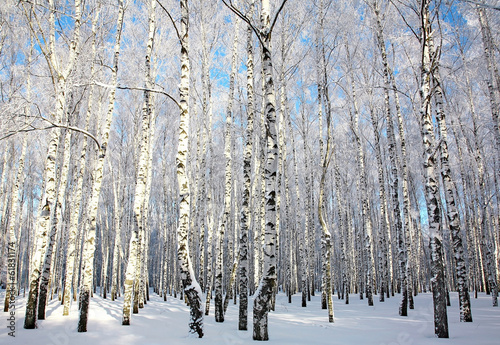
[191, 287]
[59, 77]
[431, 182]
[366, 214]
[11, 243]
[327, 237]
[55, 225]
[266, 287]
[89, 245]
[247, 172]
[226, 219]
[452, 211]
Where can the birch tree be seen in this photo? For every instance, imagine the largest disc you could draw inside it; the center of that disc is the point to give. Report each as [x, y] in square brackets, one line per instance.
[91, 222]
[264, 293]
[226, 220]
[247, 171]
[133, 272]
[191, 287]
[59, 75]
[431, 182]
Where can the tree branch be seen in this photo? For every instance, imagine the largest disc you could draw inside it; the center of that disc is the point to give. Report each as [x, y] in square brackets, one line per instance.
[244, 18]
[171, 19]
[30, 128]
[76, 129]
[120, 87]
[276, 15]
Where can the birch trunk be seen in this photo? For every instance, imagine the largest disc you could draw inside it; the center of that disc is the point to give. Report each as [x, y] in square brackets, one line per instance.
[267, 284]
[307, 212]
[207, 114]
[452, 211]
[77, 197]
[117, 244]
[133, 279]
[247, 172]
[11, 243]
[89, 245]
[431, 186]
[383, 252]
[366, 214]
[210, 230]
[55, 225]
[190, 285]
[59, 78]
[226, 220]
[302, 259]
[322, 219]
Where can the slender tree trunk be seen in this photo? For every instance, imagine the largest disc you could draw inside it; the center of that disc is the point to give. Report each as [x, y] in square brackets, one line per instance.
[11, 243]
[301, 249]
[190, 285]
[55, 224]
[322, 219]
[247, 172]
[89, 245]
[60, 79]
[452, 211]
[226, 220]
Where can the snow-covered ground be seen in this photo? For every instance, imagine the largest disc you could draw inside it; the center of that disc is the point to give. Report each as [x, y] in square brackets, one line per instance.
[166, 323]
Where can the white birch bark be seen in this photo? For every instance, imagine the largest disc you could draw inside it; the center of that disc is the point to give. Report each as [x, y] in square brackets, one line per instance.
[210, 231]
[55, 226]
[226, 220]
[307, 264]
[59, 77]
[452, 211]
[431, 186]
[77, 195]
[267, 284]
[327, 237]
[207, 114]
[133, 280]
[117, 245]
[302, 255]
[89, 245]
[11, 242]
[247, 172]
[190, 285]
[366, 214]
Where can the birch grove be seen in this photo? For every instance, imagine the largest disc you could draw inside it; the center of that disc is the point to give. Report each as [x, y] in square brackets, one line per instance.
[225, 152]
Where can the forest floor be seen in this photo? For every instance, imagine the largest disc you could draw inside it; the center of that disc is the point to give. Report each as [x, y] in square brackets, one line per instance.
[167, 323]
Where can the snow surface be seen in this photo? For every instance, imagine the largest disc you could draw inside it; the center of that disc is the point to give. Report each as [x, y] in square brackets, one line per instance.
[167, 323]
